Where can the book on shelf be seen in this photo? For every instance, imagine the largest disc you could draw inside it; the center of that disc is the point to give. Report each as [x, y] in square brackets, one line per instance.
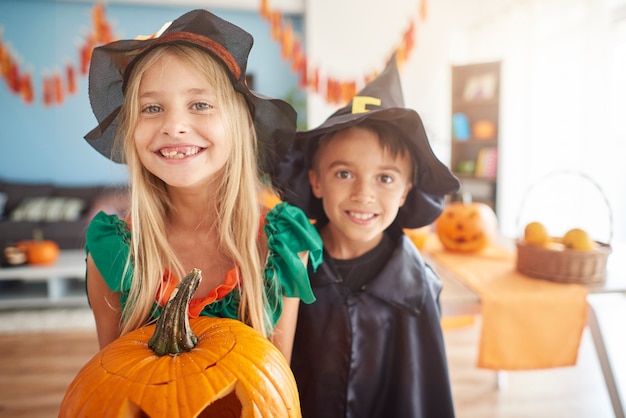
[460, 127]
[487, 163]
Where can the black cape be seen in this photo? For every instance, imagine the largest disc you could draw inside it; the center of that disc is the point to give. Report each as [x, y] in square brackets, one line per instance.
[378, 352]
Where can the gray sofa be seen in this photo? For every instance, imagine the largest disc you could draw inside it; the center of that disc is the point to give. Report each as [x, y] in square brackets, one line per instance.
[59, 213]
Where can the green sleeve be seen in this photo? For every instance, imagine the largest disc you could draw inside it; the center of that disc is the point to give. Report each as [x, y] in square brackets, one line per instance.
[108, 240]
[290, 232]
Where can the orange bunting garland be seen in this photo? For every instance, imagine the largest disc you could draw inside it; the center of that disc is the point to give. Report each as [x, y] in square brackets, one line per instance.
[58, 89]
[55, 87]
[336, 91]
[70, 75]
[47, 91]
[26, 88]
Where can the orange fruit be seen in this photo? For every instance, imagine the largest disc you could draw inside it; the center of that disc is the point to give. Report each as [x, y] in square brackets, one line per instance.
[536, 233]
[578, 239]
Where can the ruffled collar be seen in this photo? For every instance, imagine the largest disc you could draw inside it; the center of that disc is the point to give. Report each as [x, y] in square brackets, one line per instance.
[170, 281]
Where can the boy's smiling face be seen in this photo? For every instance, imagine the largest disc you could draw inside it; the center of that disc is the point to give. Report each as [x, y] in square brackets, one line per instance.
[362, 187]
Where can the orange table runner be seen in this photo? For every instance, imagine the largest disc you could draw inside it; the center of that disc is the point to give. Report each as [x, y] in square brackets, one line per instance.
[527, 323]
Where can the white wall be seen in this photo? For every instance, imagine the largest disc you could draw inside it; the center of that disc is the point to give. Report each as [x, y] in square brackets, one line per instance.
[349, 40]
[563, 87]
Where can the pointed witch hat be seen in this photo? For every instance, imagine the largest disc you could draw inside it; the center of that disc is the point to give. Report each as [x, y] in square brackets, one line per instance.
[380, 100]
[111, 64]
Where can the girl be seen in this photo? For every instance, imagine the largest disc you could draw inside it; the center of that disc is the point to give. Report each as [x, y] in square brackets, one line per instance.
[189, 129]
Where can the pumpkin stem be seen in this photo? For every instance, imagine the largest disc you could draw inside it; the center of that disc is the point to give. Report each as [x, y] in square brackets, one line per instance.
[173, 334]
[38, 234]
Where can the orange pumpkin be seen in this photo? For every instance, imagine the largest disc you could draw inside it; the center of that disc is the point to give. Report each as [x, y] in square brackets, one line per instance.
[484, 130]
[418, 236]
[466, 227]
[40, 252]
[223, 368]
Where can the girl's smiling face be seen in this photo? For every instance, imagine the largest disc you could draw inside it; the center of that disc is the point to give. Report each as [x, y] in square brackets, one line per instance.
[180, 135]
[362, 187]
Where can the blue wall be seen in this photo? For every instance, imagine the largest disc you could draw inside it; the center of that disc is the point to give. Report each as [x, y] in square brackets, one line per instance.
[46, 143]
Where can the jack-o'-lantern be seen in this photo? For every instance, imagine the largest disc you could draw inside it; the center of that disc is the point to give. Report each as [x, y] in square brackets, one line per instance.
[223, 368]
[466, 226]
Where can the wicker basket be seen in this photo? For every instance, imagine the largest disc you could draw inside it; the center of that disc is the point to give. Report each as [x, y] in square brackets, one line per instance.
[562, 264]
[566, 266]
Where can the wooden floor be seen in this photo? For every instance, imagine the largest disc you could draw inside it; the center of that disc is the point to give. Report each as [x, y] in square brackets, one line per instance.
[35, 369]
[567, 392]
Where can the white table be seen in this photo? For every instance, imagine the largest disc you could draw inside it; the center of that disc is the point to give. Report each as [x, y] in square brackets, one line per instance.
[606, 322]
[63, 283]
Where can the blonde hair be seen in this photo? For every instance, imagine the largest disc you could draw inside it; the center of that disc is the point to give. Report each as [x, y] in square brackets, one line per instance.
[237, 211]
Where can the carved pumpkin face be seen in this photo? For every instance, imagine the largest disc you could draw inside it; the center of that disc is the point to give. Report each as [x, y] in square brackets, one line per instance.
[233, 371]
[466, 227]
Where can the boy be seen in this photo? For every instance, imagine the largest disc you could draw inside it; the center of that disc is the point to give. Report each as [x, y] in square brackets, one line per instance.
[372, 344]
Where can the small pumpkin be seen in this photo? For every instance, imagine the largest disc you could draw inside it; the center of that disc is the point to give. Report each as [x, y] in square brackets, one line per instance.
[418, 236]
[223, 368]
[39, 251]
[466, 226]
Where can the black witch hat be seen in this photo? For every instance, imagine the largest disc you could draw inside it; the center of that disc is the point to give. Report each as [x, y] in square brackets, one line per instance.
[380, 100]
[111, 64]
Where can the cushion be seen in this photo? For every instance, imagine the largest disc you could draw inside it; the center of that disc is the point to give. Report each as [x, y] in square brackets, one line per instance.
[48, 209]
[72, 209]
[17, 192]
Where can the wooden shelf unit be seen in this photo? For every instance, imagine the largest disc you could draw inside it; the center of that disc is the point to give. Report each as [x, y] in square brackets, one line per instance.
[61, 284]
[475, 129]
